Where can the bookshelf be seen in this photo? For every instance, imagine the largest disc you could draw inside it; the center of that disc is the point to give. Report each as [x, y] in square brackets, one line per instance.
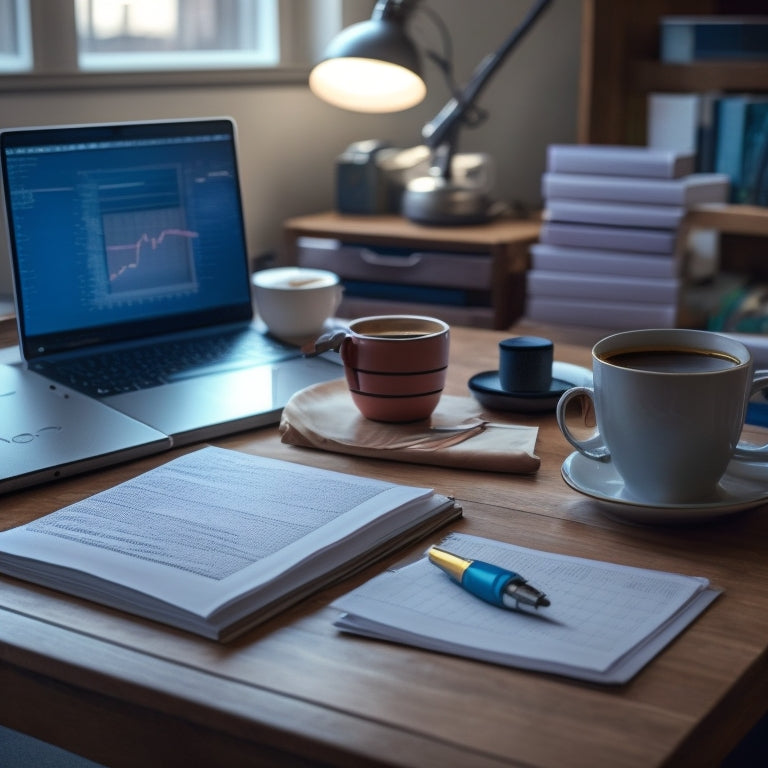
[620, 67]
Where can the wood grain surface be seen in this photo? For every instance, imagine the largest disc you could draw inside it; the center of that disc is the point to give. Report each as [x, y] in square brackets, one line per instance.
[128, 692]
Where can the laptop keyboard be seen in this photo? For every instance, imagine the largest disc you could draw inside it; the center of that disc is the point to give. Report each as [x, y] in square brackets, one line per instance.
[111, 373]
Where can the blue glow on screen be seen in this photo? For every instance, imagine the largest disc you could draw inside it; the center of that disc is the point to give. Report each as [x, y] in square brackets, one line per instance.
[119, 230]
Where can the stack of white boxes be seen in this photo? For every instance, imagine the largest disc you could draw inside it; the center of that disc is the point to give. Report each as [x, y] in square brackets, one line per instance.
[610, 252]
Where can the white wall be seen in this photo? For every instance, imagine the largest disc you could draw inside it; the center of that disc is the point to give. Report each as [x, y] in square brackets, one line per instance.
[289, 140]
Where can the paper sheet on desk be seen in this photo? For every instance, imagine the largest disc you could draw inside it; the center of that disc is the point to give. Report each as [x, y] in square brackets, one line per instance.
[458, 435]
[605, 623]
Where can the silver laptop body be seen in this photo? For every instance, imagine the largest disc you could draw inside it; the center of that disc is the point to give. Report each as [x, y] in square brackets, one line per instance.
[48, 432]
[129, 238]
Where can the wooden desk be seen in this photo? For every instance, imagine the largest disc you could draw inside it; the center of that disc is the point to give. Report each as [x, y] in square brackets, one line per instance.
[127, 692]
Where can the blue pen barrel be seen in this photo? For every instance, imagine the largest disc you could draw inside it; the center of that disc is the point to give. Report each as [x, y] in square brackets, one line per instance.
[486, 581]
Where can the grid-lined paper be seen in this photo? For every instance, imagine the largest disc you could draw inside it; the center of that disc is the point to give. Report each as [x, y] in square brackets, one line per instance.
[604, 623]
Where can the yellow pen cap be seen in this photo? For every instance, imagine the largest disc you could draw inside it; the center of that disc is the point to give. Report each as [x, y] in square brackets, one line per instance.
[452, 564]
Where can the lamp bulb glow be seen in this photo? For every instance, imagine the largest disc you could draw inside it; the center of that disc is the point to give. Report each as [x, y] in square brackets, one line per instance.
[366, 85]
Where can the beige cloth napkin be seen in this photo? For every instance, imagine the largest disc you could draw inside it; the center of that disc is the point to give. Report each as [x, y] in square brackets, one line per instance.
[457, 435]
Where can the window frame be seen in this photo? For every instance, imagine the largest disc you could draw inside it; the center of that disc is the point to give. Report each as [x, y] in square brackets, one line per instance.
[240, 19]
[19, 32]
[305, 26]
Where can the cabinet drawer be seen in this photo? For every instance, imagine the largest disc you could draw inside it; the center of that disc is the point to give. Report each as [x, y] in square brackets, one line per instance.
[397, 265]
[478, 317]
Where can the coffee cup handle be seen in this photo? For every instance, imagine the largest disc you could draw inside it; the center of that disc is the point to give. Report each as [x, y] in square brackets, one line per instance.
[745, 451]
[331, 341]
[592, 447]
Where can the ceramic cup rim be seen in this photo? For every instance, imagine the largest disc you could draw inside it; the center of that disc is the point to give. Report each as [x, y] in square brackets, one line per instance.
[269, 279]
[631, 341]
[441, 326]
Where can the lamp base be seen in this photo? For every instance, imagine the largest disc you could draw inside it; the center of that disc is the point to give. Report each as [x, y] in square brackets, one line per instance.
[436, 201]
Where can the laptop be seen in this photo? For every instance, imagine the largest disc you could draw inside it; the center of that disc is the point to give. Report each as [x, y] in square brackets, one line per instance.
[131, 276]
[48, 432]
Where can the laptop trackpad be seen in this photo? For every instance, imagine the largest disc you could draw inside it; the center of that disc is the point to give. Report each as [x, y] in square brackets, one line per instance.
[208, 406]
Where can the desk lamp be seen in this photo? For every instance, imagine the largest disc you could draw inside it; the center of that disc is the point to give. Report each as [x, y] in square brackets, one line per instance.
[374, 66]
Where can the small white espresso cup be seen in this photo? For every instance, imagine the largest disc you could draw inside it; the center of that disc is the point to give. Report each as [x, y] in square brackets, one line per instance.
[669, 406]
[295, 302]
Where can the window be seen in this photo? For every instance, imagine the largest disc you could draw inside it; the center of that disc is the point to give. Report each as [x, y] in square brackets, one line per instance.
[163, 34]
[15, 40]
[142, 43]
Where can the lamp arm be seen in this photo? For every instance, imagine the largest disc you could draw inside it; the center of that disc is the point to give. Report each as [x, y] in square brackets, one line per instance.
[442, 128]
[393, 10]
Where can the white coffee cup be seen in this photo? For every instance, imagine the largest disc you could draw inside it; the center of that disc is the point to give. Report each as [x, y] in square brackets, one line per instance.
[295, 302]
[670, 407]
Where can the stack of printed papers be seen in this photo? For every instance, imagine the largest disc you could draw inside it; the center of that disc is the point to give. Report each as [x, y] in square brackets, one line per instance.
[604, 624]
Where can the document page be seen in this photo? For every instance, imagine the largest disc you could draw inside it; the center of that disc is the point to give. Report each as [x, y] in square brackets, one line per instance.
[605, 620]
[212, 514]
[209, 528]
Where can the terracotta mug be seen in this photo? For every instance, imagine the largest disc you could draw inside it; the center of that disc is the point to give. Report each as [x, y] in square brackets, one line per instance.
[395, 365]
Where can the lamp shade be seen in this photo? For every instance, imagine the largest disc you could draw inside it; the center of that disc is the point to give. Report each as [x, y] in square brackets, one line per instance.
[372, 66]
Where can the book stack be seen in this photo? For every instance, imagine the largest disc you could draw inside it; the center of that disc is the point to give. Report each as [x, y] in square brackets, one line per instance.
[685, 39]
[610, 253]
[727, 132]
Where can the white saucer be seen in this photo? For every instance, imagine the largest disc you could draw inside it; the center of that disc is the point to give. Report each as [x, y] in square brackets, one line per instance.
[737, 491]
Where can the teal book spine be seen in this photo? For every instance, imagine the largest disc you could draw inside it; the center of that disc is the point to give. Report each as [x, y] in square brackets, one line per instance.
[755, 154]
[742, 133]
[731, 112]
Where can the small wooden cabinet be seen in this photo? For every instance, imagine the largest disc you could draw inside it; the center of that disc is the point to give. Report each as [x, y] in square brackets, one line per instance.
[467, 275]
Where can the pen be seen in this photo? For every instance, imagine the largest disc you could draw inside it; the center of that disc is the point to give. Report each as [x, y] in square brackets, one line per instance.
[495, 585]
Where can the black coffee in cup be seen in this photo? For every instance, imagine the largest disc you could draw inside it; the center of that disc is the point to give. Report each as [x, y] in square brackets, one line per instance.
[672, 360]
[398, 334]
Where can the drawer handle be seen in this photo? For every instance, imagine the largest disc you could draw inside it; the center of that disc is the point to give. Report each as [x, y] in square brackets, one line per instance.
[377, 260]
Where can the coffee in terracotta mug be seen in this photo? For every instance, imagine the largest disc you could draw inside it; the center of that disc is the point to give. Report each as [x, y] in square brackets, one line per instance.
[395, 365]
[669, 406]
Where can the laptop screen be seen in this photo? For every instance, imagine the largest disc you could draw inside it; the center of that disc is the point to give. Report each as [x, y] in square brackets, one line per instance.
[124, 231]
